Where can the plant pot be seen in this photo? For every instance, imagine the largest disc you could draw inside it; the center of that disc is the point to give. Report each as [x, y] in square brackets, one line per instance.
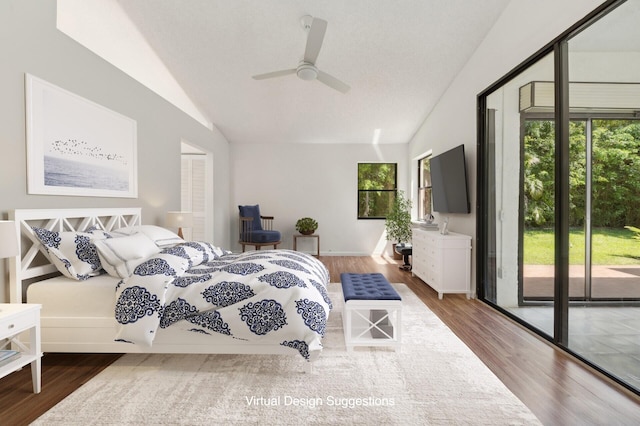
[396, 256]
[309, 232]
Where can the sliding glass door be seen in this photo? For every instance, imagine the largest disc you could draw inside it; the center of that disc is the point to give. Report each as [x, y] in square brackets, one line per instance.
[515, 263]
[604, 194]
[559, 192]
[604, 94]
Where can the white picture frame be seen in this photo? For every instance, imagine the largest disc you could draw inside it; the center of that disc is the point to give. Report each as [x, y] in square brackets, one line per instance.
[77, 147]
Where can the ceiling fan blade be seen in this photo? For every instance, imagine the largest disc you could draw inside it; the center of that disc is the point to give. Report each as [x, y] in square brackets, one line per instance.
[332, 82]
[274, 74]
[314, 40]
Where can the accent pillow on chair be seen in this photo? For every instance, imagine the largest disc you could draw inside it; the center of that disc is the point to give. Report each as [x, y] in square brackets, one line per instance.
[254, 212]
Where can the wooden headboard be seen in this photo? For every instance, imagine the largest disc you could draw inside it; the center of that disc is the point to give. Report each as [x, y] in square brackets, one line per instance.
[33, 262]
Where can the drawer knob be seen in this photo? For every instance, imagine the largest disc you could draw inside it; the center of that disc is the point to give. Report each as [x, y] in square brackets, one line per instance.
[11, 326]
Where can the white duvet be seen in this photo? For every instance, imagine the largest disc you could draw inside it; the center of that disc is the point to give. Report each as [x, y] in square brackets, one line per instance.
[274, 296]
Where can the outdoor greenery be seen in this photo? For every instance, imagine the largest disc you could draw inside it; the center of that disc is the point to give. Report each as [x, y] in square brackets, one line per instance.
[398, 222]
[615, 171]
[376, 189]
[610, 247]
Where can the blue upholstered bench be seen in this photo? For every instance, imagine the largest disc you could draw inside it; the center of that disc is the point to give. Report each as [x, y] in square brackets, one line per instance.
[372, 311]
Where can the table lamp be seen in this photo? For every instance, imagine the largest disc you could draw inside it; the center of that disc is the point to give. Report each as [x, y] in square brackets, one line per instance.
[180, 220]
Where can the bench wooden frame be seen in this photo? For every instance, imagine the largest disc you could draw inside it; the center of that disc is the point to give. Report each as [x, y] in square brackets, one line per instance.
[372, 322]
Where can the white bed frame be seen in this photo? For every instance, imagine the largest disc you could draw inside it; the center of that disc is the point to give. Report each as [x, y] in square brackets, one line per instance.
[96, 334]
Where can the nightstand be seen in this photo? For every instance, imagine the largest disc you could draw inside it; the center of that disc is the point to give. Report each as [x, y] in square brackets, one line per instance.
[16, 318]
[316, 236]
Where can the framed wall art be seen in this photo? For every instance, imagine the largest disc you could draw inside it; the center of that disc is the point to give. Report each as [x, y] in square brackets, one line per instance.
[77, 147]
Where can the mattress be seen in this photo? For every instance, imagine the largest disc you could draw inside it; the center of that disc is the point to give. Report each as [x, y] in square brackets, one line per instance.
[63, 297]
[78, 316]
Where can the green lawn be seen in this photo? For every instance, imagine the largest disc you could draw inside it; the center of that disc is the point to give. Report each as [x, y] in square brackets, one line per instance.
[610, 247]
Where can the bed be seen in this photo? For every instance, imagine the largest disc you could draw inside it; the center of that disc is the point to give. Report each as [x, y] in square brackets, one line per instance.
[153, 292]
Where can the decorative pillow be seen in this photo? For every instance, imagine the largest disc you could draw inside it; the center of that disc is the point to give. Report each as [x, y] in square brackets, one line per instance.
[119, 256]
[72, 253]
[161, 236]
[254, 212]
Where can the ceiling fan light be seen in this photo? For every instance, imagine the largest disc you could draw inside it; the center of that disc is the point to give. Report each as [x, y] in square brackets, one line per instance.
[307, 73]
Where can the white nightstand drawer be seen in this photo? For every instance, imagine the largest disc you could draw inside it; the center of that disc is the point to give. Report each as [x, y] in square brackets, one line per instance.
[17, 323]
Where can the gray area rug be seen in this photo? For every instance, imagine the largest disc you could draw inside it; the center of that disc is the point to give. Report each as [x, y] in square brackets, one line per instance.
[433, 380]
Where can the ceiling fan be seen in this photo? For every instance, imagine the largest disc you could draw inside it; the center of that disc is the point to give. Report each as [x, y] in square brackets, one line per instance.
[306, 69]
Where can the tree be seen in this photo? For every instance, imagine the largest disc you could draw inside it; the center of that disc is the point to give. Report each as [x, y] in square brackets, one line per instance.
[539, 190]
[615, 173]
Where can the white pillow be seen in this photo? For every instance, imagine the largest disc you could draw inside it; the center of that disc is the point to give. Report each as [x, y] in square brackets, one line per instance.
[73, 253]
[161, 236]
[120, 256]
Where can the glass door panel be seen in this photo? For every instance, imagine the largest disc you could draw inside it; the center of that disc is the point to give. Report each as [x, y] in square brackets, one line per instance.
[538, 192]
[604, 92]
[519, 246]
[579, 207]
[615, 264]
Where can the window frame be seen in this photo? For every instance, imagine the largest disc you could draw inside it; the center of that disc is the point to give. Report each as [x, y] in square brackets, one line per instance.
[360, 191]
[422, 215]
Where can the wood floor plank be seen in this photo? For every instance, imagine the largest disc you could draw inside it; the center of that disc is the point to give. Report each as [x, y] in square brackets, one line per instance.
[556, 387]
[61, 375]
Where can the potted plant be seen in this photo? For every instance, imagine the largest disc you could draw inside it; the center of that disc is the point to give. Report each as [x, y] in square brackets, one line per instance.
[398, 222]
[306, 226]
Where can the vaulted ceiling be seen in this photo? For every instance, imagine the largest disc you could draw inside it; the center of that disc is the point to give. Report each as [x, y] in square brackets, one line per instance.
[398, 57]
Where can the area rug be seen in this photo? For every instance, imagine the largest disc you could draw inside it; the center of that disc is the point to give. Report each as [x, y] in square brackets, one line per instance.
[433, 380]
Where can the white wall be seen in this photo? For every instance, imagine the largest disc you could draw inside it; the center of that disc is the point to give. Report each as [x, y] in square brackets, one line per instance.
[30, 43]
[523, 28]
[291, 181]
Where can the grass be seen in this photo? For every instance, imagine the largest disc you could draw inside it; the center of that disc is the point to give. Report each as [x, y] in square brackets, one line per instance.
[611, 246]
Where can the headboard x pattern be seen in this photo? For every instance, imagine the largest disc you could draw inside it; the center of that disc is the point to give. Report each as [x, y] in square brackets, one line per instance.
[23, 267]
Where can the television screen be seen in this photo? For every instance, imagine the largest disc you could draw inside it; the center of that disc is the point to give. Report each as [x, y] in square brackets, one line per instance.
[449, 182]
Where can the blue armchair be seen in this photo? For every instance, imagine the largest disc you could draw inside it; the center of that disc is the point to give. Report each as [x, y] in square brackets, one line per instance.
[255, 229]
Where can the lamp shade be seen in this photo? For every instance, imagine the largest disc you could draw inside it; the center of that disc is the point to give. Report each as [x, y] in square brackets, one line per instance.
[8, 239]
[179, 219]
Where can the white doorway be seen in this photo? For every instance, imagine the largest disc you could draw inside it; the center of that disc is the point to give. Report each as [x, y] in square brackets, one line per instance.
[196, 191]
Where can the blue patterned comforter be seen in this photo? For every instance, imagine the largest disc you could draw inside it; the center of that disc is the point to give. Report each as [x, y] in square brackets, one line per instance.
[273, 296]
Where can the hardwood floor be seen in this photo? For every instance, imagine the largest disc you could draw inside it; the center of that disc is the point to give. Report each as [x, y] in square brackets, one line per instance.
[558, 389]
[61, 375]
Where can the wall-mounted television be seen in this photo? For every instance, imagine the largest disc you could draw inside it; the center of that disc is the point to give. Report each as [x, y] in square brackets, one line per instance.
[449, 182]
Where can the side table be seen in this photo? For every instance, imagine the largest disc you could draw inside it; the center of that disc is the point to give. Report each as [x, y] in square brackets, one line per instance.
[16, 318]
[316, 236]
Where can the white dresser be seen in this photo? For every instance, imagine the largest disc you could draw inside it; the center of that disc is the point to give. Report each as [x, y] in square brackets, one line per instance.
[442, 261]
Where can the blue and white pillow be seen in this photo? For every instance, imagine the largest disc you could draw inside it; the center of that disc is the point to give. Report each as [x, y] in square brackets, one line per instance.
[73, 253]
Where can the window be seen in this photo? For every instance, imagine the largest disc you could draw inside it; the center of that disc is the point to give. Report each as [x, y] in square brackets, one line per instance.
[377, 184]
[424, 188]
